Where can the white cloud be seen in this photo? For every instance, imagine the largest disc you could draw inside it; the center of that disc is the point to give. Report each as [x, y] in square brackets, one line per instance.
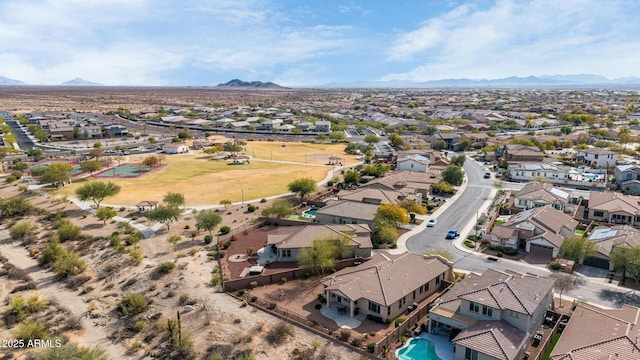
[521, 38]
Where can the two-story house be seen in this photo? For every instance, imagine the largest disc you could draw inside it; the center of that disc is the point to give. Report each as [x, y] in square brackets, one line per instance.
[491, 316]
[519, 153]
[386, 285]
[451, 139]
[541, 230]
[627, 178]
[615, 208]
[476, 140]
[323, 126]
[535, 194]
[602, 158]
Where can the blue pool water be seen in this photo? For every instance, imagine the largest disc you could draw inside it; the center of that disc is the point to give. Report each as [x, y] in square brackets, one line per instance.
[418, 349]
[310, 212]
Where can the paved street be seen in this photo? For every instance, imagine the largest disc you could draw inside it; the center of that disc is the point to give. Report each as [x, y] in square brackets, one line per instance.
[461, 215]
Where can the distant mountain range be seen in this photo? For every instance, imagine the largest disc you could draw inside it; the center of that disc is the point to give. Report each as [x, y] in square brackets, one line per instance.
[80, 82]
[7, 81]
[512, 81]
[239, 84]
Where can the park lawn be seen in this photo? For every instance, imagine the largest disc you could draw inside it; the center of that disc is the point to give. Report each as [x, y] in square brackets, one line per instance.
[206, 182]
[315, 153]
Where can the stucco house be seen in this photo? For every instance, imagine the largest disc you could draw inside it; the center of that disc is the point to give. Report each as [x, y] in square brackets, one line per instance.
[413, 162]
[607, 238]
[541, 230]
[615, 208]
[347, 212]
[535, 194]
[600, 157]
[289, 241]
[627, 178]
[386, 285]
[596, 333]
[491, 316]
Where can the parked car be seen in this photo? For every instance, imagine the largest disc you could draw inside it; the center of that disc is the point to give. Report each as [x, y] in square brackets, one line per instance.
[432, 222]
[452, 234]
[487, 175]
[493, 259]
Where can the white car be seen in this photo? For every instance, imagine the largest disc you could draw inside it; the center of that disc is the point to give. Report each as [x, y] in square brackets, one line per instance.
[432, 222]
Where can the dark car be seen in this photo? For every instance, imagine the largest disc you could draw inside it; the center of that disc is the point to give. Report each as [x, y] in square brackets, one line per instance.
[452, 234]
[487, 175]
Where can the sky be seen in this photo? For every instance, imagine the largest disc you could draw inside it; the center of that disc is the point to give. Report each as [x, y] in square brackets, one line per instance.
[304, 43]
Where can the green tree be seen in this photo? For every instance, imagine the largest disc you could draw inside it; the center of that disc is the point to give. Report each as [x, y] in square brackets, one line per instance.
[371, 139]
[279, 208]
[453, 174]
[174, 239]
[97, 191]
[164, 214]
[458, 160]
[56, 174]
[226, 203]
[392, 214]
[385, 234]
[133, 303]
[302, 186]
[207, 220]
[577, 248]
[150, 161]
[35, 154]
[413, 207]
[174, 199]
[91, 166]
[440, 145]
[397, 142]
[105, 214]
[337, 136]
[352, 177]
[232, 147]
[321, 256]
[565, 282]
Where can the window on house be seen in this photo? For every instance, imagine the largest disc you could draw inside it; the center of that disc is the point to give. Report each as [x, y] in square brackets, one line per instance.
[286, 253]
[514, 314]
[475, 307]
[426, 286]
[374, 307]
[487, 311]
[470, 354]
[522, 202]
[340, 299]
[437, 280]
[598, 213]
[596, 156]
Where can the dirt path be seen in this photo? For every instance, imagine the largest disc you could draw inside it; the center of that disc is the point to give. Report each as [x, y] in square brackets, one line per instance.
[51, 289]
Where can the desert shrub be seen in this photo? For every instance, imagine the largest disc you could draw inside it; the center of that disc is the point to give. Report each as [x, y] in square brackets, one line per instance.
[278, 334]
[345, 335]
[20, 309]
[226, 244]
[357, 342]
[225, 230]
[208, 239]
[187, 227]
[251, 208]
[398, 321]
[72, 351]
[30, 331]
[133, 303]
[165, 267]
[139, 325]
[215, 280]
[284, 280]
[263, 200]
[469, 244]
[554, 265]
[67, 231]
[67, 264]
[115, 241]
[23, 230]
[136, 255]
[508, 250]
[75, 282]
[371, 347]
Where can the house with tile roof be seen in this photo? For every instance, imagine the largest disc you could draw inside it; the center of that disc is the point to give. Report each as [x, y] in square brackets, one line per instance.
[413, 162]
[614, 208]
[541, 230]
[289, 241]
[511, 153]
[627, 178]
[386, 285]
[347, 212]
[536, 194]
[599, 157]
[595, 333]
[607, 238]
[491, 316]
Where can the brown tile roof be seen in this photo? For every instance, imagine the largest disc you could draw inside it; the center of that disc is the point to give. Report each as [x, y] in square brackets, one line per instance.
[545, 217]
[498, 339]
[386, 278]
[504, 232]
[612, 201]
[349, 209]
[295, 237]
[518, 292]
[542, 191]
[606, 238]
[593, 333]
[372, 195]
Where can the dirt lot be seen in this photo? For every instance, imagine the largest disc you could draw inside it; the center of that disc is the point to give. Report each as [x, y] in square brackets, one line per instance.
[213, 321]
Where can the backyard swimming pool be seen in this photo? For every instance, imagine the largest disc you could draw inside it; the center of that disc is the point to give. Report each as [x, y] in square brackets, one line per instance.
[418, 349]
[311, 213]
[427, 347]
